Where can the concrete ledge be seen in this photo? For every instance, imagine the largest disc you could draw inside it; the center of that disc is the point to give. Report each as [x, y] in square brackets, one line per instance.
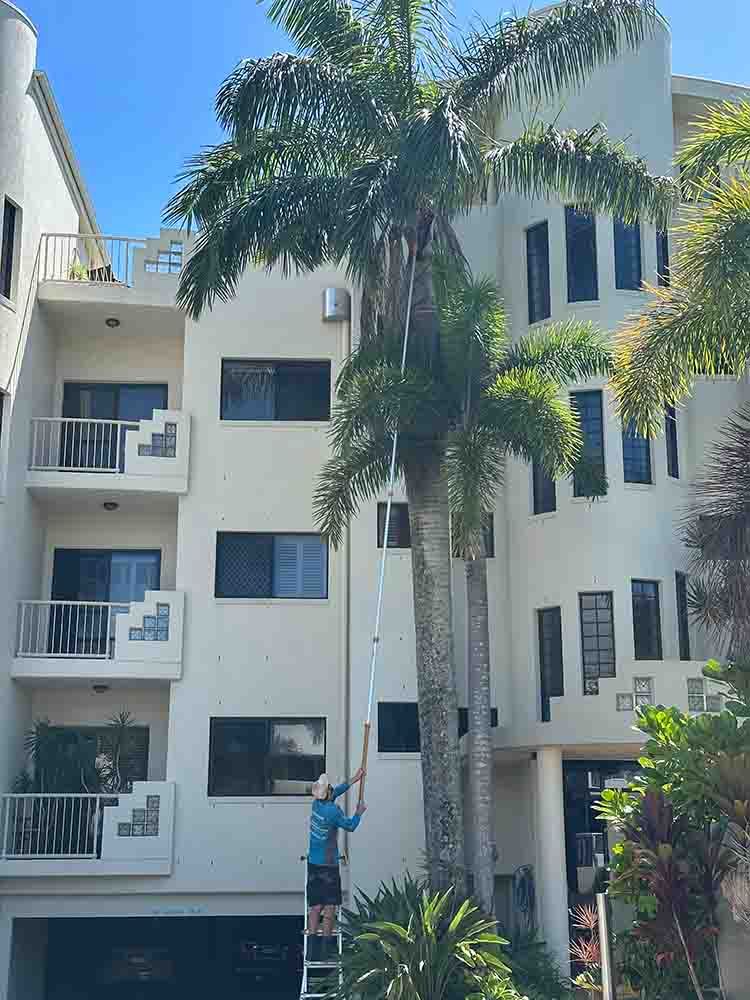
[80, 869]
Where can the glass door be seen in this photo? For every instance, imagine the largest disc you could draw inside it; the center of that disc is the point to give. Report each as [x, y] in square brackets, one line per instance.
[98, 446]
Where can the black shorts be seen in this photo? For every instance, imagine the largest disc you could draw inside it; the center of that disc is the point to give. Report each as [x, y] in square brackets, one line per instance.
[323, 885]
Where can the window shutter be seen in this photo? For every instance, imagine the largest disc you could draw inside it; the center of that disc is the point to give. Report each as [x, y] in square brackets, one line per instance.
[286, 566]
[243, 564]
[314, 566]
[300, 566]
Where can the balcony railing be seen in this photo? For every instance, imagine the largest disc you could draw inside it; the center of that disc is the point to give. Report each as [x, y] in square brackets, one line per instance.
[96, 259]
[74, 444]
[67, 629]
[53, 826]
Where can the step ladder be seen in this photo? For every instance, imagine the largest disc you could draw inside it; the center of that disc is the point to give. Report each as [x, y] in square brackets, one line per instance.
[311, 985]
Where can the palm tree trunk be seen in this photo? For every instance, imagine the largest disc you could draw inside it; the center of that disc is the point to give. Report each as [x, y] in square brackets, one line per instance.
[427, 493]
[481, 848]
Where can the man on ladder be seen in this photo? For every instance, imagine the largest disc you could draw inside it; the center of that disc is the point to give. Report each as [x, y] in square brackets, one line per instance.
[323, 875]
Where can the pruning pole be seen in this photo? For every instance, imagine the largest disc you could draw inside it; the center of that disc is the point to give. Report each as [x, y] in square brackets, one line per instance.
[386, 527]
[605, 948]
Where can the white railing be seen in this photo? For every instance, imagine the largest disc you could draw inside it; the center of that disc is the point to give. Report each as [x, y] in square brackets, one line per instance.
[67, 628]
[75, 444]
[53, 826]
[89, 258]
[591, 850]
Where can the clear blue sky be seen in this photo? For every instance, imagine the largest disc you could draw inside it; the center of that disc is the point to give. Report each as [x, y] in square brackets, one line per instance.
[136, 80]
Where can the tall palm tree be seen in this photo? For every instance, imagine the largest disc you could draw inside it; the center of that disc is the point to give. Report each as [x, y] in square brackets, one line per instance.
[480, 360]
[359, 151]
[700, 323]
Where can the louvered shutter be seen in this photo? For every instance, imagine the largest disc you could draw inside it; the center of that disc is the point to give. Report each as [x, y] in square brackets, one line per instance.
[314, 575]
[286, 566]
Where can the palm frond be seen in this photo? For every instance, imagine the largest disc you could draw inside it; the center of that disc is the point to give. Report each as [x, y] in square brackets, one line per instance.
[474, 465]
[326, 30]
[346, 481]
[721, 135]
[680, 335]
[283, 89]
[286, 222]
[413, 34]
[523, 408]
[586, 168]
[565, 352]
[535, 58]
[473, 335]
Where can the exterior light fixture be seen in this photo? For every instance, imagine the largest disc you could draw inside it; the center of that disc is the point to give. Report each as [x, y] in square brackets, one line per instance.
[110, 505]
[112, 322]
[100, 688]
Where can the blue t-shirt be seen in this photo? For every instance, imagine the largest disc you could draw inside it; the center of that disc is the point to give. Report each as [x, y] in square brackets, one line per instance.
[325, 822]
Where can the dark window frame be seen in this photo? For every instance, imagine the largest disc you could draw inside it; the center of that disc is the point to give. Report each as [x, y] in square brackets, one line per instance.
[582, 287]
[549, 673]
[637, 463]
[672, 442]
[271, 597]
[590, 680]
[399, 527]
[663, 277]
[409, 711]
[101, 732]
[9, 248]
[538, 272]
[683, 617]
[286, 365]
[655, 650]
[598, 454]
[543, 491]
[628, 256]
[215, 723]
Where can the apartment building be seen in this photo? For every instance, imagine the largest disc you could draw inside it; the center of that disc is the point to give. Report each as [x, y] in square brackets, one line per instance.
[160, 558]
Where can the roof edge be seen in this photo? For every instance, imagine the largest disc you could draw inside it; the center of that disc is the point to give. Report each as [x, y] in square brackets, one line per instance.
[42, 92]
[21, 14]
[700, 86]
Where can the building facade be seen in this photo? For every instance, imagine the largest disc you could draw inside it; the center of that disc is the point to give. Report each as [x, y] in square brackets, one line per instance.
[160, 559]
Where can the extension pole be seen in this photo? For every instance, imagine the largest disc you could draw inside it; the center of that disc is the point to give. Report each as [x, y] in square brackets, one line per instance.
[386, 527]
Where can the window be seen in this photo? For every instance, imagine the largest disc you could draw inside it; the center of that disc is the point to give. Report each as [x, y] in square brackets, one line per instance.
[627, 256]
[399, 535]
[590, 414]
[683, 624]
[580, 245]
[646, 620]
[662, 259]
[597, 638]
[398, 726]
[636, 456]
[167, 261]
[463, 720]
[549, 624]
[670, 434]
[250, 564]
[265, 756]
[699, 700]
[537, 272]
[271, 390]
[8, 249]
[544, 491]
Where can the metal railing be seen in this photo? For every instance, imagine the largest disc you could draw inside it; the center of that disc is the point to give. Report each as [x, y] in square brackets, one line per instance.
[43, 827]
[76, 444]
[85, 257]
[591, 849]
[67, 628]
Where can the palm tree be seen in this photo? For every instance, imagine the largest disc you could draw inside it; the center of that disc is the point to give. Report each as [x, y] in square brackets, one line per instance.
[481, 360]
[700, 323]
[371, 140]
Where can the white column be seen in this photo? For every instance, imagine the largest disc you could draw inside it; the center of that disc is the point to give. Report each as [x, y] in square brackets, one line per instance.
[551, 876]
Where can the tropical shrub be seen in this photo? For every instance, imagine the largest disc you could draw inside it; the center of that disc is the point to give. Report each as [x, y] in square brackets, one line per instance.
[406, 943]
[534, 970]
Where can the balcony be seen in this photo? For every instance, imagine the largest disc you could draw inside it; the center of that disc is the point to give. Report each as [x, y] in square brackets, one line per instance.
[110, 456]
[79, 835]
[96, 641]
[109, 271]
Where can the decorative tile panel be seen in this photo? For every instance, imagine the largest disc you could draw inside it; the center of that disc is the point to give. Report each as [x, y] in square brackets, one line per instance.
[699, 699]
[624, 702]
[163, 445]
[155, 628]
[642, 695]
[143, 822]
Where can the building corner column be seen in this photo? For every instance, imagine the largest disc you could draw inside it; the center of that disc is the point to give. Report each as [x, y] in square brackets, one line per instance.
[6, 951]
[551, 869]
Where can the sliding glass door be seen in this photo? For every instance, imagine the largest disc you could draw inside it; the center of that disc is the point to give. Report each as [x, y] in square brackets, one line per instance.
[86, 579]
[92, 440]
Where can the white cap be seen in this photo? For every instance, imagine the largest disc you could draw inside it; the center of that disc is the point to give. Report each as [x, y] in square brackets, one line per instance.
[320, 787]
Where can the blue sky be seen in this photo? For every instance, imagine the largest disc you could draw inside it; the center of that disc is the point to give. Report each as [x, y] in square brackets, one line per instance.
[136, 81]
